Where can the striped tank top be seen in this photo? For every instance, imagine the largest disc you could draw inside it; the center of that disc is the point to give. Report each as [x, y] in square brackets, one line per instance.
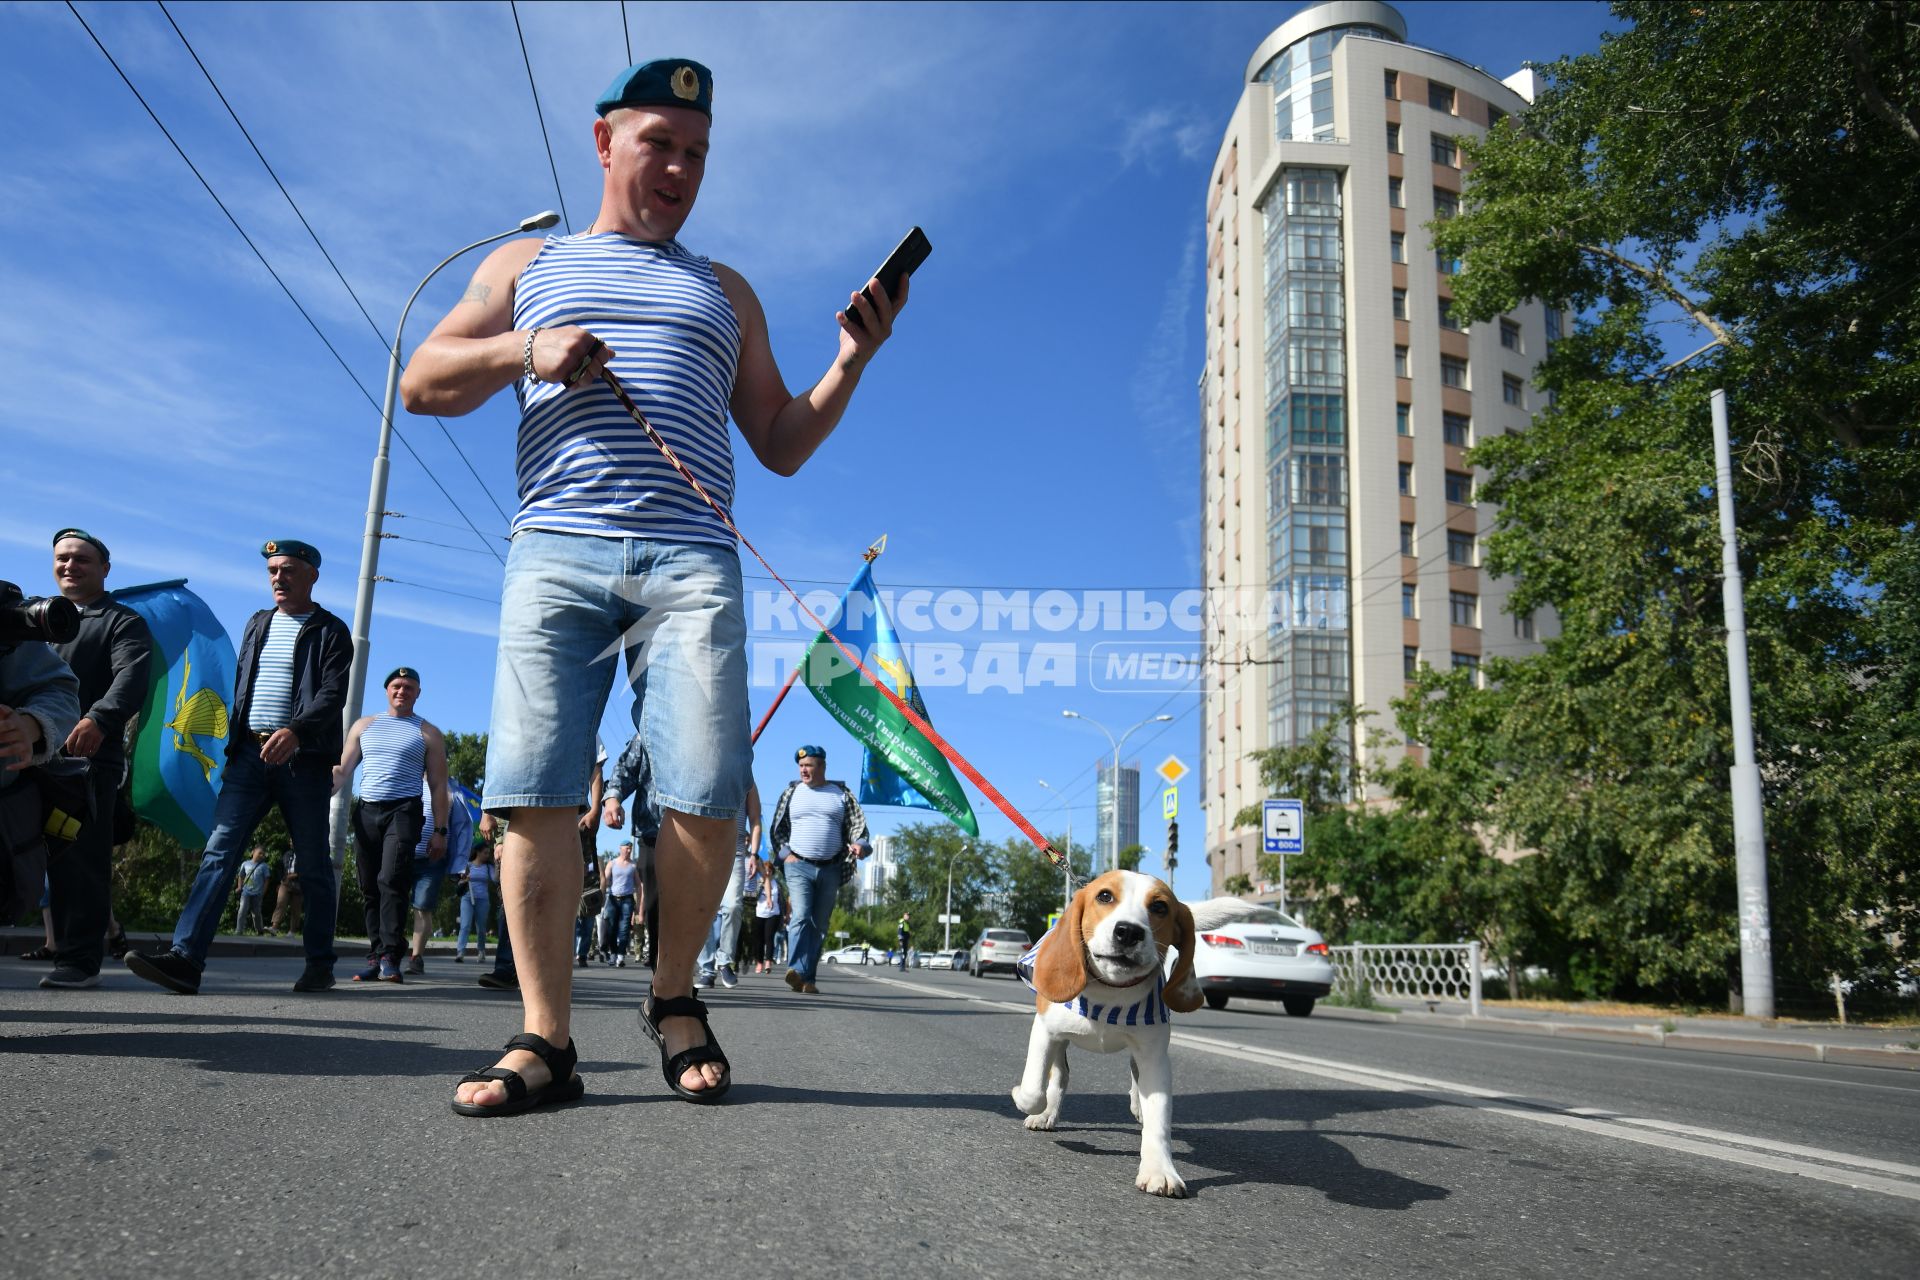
[583, 465]
[272, 705]
[395, 755]
[1146, 1009]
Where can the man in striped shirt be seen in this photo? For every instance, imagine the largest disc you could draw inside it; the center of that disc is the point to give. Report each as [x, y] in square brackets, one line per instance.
[613, 551]
[289, 692]
[399, 750]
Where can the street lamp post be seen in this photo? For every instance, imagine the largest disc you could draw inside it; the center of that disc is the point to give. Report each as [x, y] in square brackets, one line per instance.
[1114, 821]
[1066, 868]
[946, 923]
[376, 512]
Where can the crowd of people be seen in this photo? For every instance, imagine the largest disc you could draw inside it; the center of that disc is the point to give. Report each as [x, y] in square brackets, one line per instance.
[623, 544]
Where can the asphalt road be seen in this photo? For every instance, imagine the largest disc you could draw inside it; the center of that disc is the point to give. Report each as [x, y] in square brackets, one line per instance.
[252, 1132]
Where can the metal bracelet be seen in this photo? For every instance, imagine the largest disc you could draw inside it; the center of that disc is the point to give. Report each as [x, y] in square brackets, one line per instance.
[526, 356]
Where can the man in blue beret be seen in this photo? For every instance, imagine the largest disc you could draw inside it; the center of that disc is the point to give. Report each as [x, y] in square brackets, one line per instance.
[613, 549]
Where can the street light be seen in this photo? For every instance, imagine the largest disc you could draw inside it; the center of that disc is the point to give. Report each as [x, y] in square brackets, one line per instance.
[1066, 869]
[1114, 822]
[376, 511]
[946, 923]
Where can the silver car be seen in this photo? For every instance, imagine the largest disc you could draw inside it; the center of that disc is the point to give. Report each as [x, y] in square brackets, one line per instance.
[1268, 956]
[997, 949]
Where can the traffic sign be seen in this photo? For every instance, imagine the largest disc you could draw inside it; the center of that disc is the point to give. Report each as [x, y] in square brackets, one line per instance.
[1283, 826]
[1170, 803]
[1172, 770]
[944, 918]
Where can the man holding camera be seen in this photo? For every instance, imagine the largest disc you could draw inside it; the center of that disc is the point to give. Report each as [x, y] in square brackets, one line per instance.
[286, 734]
[110, 657]
[613, 550]
[39, 706]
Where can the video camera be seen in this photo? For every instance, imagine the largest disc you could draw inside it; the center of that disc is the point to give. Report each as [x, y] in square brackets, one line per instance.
[50, 618]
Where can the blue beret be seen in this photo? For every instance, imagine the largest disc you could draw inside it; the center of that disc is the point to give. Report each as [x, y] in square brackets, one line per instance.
[289, 547]
[664, 82]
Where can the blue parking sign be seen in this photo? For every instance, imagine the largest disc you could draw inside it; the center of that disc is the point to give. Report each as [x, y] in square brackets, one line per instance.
[1283, 826]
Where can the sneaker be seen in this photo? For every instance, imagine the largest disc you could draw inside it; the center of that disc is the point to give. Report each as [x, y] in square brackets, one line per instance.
[500, 980]
[728, 978]
[703, 982]
[582, 961]
[795, 981]
[390, 970]
[314, 978]
[619, 962]
[809, 989]
[169, 969]
[67, 978]
[416, 964]
[369, 974]
[459, 959]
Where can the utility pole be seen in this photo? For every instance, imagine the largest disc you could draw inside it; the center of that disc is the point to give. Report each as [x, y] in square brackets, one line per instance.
[1749, 830]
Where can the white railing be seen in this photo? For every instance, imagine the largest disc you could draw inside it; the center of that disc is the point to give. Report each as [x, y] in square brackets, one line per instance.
[1429, 972]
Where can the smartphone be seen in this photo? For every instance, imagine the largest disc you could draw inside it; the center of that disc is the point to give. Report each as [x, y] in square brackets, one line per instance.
[902, 262]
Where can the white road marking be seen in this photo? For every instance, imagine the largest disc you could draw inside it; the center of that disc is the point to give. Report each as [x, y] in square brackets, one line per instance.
[1821, 1165]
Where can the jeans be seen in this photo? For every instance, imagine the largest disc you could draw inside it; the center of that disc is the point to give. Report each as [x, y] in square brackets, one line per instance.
[476, 910]
[622, 904]
[812, 886]
[303, 792]
[723, 940]
[249, 910]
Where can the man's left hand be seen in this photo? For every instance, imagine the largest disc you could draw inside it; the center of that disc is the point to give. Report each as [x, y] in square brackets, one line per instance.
[876, 312]
[436, 847]
[588, 820]
[85, 738]
[280, 748]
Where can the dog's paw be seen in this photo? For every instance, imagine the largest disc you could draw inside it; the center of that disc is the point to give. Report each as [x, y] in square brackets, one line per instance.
[1160, 1180]
[1044, 1121]
[1030, 1101]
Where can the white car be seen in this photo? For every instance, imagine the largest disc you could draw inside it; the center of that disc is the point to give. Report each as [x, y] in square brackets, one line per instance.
[1268, 956]
[940, 960]
[854, 955]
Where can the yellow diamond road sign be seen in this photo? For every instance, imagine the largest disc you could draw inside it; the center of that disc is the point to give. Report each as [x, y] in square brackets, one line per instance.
[1172, 770]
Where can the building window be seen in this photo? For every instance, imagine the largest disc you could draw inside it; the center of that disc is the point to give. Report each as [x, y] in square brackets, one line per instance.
[1399, 304]
[1553, 325]
[1444, 265]
[1523, 627]
[1463, 608]
[1397, 193]
[1393, 139]
[1459, 548]
[1319, 479]
[1453, 371]
[1459, 488]
[1446, 315]
[1406, 479]
[1406, 537]
[1403, 419]
[1400, 362]
[1445, 152]
[1470, 664]
[1494, 116]
[1393, 84]
[1445, 203]
[1409, 601]
[1513, 391]
[1456, 428]
[1409, 661]
[1400, 247]
[1510, 335]
[1440, 97]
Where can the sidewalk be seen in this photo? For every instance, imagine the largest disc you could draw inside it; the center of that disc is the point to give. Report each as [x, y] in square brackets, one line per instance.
[19, 939]
[1799, 1041]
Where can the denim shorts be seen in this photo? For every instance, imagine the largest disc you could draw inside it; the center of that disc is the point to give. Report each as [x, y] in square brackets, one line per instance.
[570, 606]
[428, 876]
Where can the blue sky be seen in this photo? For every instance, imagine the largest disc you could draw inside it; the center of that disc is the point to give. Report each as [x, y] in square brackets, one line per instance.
[1032, 426]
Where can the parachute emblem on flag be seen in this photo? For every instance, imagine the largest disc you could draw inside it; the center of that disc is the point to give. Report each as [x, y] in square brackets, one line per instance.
[204, 715]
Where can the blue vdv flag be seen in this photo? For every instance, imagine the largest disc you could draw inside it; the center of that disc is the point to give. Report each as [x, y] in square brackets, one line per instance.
[179, 754]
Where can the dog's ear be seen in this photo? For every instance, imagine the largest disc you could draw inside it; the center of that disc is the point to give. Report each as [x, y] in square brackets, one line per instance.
[1182, 993]
[1060, 970]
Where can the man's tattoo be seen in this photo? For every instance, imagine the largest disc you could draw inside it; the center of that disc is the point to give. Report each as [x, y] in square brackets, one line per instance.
[477, 292]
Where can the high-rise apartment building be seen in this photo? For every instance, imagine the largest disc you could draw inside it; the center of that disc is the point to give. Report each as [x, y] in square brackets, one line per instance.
[1129, 811]
[1343, 537]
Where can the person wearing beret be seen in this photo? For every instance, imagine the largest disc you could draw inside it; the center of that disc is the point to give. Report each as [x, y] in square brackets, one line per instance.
[614, 551]
[290, 689]
[110, 655]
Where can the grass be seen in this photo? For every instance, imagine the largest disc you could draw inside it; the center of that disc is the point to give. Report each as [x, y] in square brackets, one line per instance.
[1342, 999]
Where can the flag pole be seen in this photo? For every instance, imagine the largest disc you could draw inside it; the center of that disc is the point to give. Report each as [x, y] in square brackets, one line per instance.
[871, 554]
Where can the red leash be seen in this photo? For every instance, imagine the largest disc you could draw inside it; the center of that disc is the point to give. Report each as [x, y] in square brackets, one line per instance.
[900, 704]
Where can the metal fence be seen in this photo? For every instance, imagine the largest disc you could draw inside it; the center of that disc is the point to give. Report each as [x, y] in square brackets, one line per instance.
[1428, 972]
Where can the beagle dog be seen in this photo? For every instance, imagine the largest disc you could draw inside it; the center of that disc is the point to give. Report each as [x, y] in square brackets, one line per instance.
[1097, 980]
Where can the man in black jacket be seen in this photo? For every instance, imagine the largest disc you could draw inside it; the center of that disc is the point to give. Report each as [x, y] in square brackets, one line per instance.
[110, 656]
[285, 740]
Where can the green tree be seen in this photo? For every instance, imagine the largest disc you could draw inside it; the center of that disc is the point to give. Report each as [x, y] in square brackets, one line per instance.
[467, 758]
[1778, 223]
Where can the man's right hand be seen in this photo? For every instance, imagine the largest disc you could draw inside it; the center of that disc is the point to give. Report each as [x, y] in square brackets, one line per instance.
[18, 734]
[613, 814]
[568, 354]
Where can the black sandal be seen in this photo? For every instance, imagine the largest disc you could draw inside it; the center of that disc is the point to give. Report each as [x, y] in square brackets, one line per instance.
[685, 1007]
[564, 1086]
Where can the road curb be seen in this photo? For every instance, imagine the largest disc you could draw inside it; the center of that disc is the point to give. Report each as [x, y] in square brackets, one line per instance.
[1886, 1057]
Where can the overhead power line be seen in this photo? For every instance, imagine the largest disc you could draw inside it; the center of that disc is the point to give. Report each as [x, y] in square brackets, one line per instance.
[304, 314]
[624, 32]
[539, 115]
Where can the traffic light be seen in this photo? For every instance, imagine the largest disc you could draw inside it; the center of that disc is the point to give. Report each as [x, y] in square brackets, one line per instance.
[1173, 836]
